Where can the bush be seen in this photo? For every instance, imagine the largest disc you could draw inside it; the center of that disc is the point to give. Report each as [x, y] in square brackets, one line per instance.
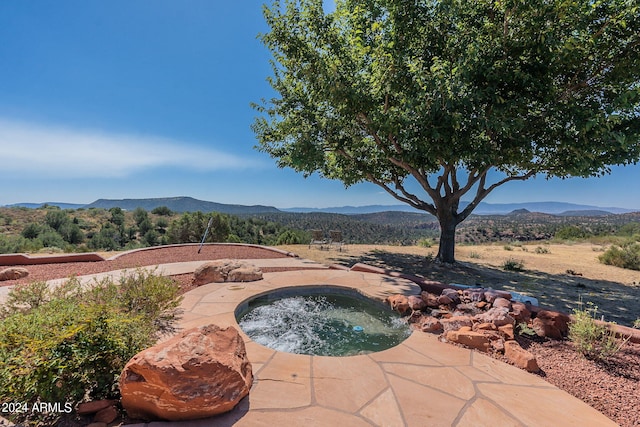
[570, 232]
[513, 264]
[70, 344]
[541, 250]
[289, 237]
[627, 256]
[594, 340]
[425, 243]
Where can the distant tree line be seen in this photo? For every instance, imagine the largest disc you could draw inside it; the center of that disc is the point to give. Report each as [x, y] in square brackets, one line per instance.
[96, 229]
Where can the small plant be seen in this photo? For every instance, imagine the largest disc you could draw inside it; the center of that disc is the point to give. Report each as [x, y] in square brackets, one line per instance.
[430, 257]
[474, 255]
[541, 250]
[425, 243]
[507, 247]
[592, 338]
[513, 264]
[526, 330]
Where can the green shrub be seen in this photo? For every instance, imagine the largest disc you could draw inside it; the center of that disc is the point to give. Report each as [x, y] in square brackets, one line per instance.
[70, 344]
[627, 256]
[594, 340]
[290, 237]
[513, 264]
[474, 255]
[425, 243]
[571, 232]
[508, 247]
[541, 250]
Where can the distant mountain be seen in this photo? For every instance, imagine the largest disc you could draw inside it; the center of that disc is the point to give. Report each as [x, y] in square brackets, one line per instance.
[189, 204]
[180, 204]
[353, 210]
[555, 208]
[586, 213]
[39, 205]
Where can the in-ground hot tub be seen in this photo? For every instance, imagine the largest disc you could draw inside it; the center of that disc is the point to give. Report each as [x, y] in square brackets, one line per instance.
[321, 320]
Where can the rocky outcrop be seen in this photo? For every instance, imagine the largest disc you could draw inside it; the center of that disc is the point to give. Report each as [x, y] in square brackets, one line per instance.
[481, 319]
[13, 273]
[197, 374]
[226, 270]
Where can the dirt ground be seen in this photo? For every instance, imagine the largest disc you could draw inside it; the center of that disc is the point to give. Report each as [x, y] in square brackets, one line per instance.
[558, 275]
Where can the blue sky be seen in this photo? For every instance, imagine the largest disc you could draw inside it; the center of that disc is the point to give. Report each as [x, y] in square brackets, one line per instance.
[151, 98]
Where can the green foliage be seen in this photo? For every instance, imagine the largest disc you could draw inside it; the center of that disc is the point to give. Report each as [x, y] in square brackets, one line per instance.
[507, 247]
[162, 210]
[541, 250]
[56, 218]
[17, 244]
[117, 216]
[107, 239]
[31, 230]
[627, 256]
[524, 329]
[425, 243]
[474, 255]
[140, 215]
[571, 232]
[594, 340]
[70, 344]
[290, 237]
[630, 230]
[393, 92]
[513, 264]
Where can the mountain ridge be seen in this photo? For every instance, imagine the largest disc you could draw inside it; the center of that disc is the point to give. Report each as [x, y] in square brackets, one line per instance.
[190, 204]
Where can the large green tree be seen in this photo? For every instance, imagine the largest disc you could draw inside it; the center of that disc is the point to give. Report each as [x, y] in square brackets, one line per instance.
[448, 94]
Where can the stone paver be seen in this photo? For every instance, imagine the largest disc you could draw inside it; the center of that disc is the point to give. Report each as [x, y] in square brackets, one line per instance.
[419, 382]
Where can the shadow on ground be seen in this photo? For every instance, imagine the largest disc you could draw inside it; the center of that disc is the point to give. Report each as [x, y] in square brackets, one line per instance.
[615, 301]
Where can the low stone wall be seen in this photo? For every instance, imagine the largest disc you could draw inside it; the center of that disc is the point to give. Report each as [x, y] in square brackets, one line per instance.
[24, 259]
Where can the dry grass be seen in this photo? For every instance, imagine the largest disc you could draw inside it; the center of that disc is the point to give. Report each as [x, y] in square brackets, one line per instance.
[559, 278]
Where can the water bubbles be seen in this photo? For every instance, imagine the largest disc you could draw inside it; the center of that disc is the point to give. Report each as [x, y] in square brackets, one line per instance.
[323, 325]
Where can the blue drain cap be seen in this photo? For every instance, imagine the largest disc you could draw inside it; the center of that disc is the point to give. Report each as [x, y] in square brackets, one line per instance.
[358, 328]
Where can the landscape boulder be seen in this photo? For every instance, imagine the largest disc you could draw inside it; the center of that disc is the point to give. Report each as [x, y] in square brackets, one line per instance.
[520, 312]
[551, 324]
[520, 357]
[13, 273]
[469, 338]
[399, 303]
[197, 374]
[416, 303]
[455, 323]
[430, 324]
[226, 270]
[497, 315]
[430, 299]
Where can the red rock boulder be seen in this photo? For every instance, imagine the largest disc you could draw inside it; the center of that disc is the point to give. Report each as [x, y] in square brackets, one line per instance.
[197, 374]
[226, 270]
[551, 324]
[470, 339]
[520, 357]
[13, 273]
[399, 303]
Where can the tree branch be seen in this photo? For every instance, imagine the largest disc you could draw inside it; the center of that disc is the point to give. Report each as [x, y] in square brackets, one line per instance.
[484, 192]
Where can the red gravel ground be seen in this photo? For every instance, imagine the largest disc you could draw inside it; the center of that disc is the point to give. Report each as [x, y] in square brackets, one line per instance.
[612, 387]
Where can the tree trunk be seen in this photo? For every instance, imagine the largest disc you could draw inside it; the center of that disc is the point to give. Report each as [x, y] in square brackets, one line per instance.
[446, 250]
